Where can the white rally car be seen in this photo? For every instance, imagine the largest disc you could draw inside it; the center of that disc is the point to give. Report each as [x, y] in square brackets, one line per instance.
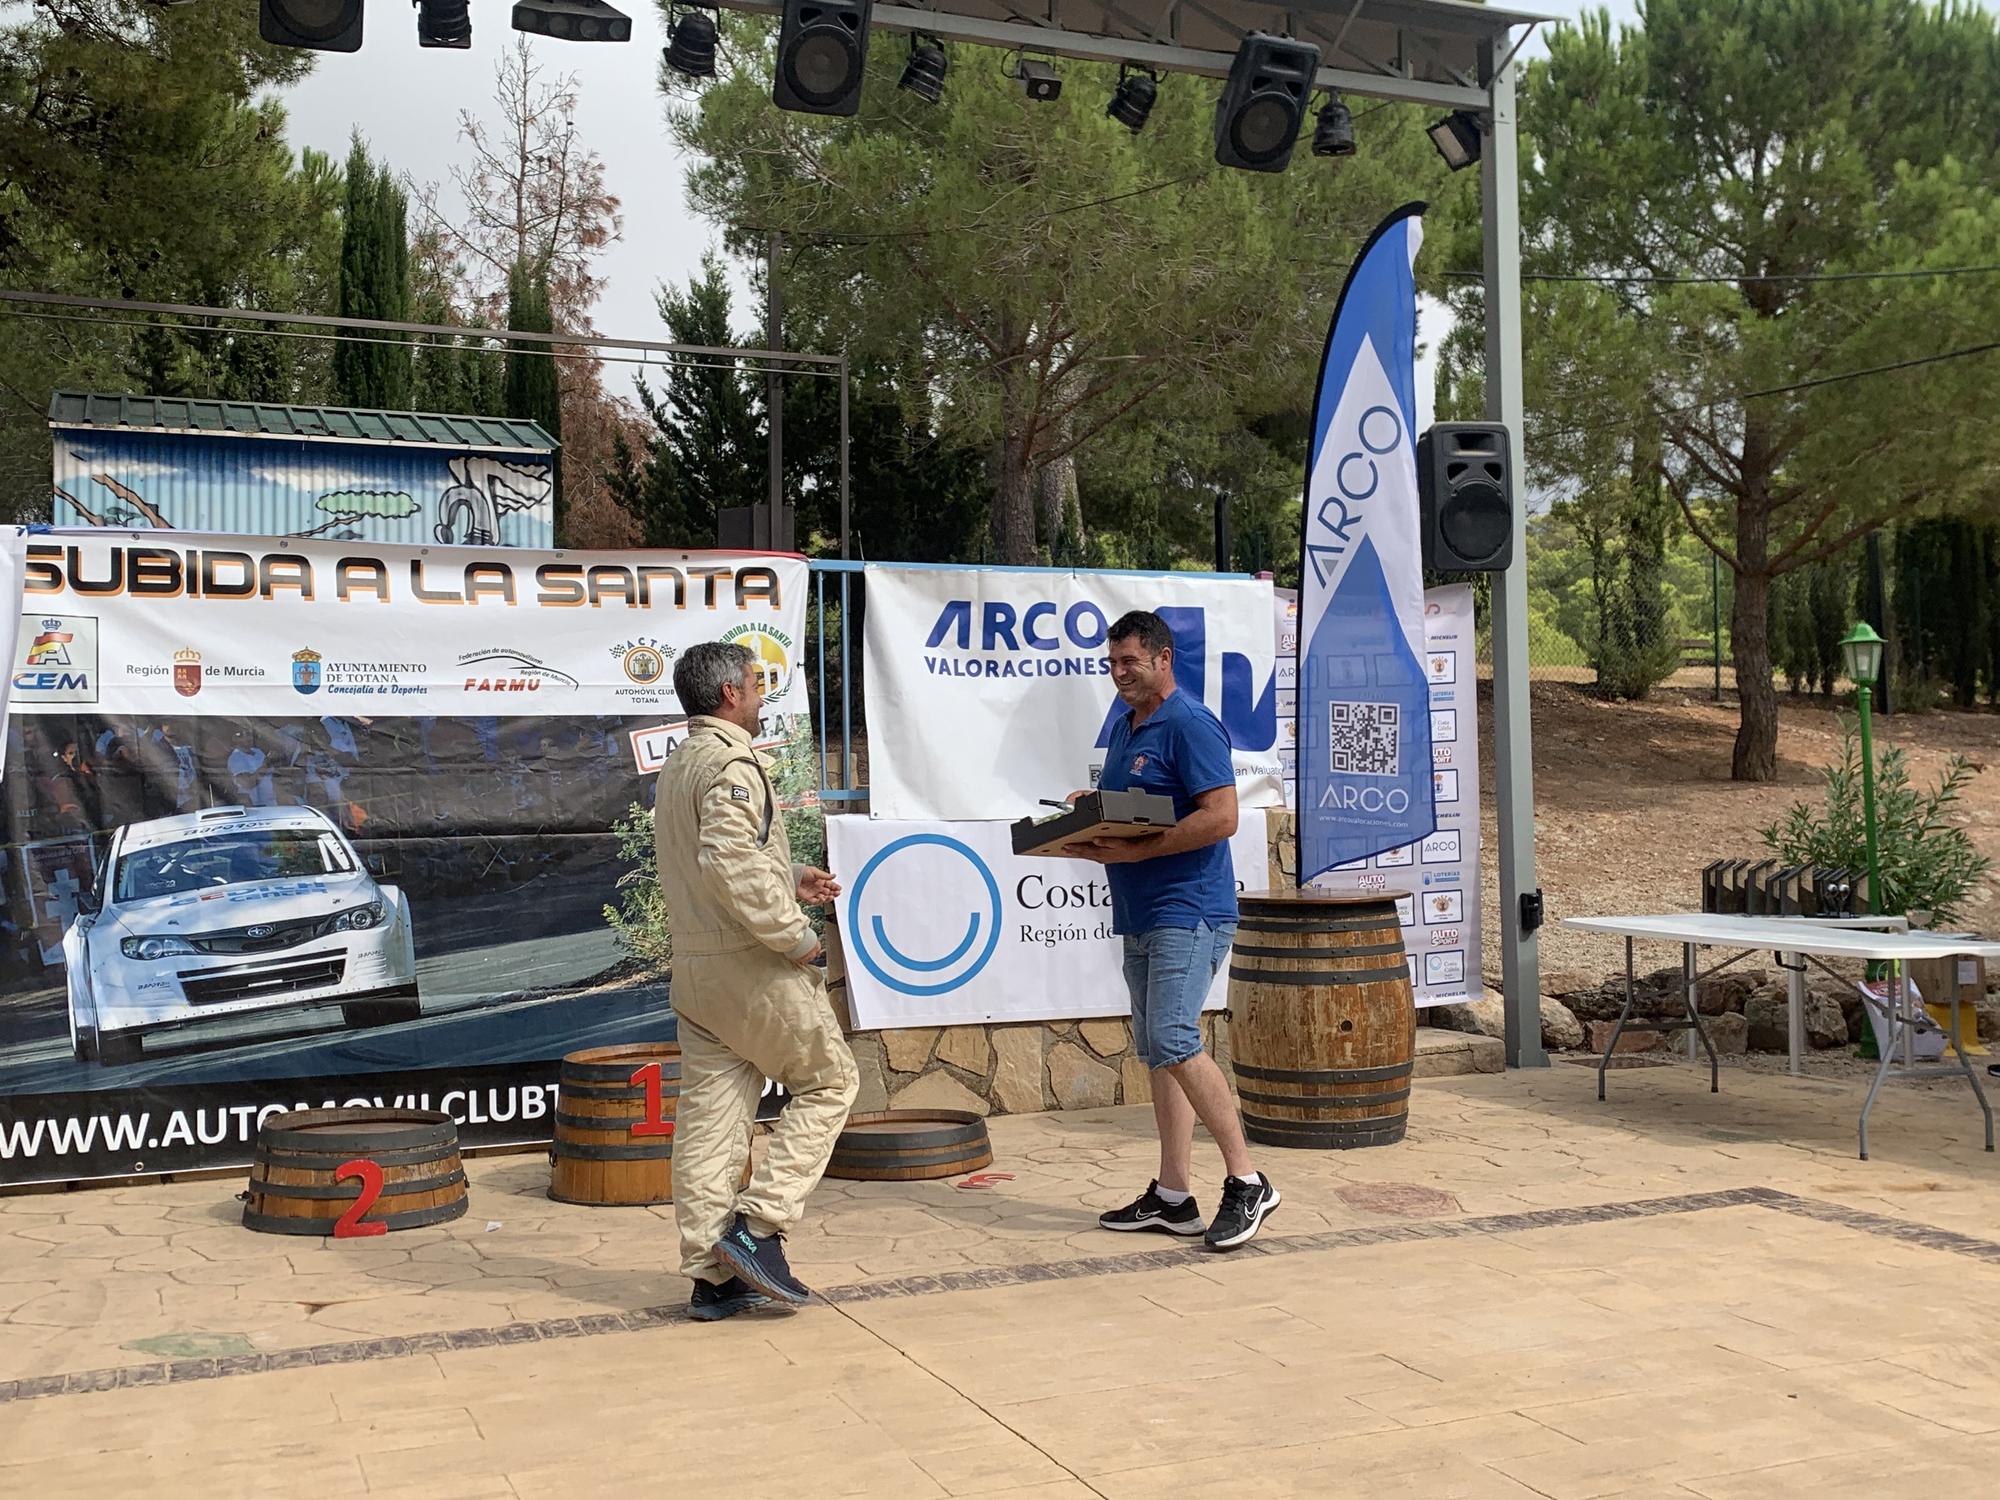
[233, 910]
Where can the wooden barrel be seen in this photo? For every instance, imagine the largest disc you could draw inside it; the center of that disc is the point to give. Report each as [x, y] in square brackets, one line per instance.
[614, 1141]
[910, 1145]
[293, 1184]
[1322, 1025]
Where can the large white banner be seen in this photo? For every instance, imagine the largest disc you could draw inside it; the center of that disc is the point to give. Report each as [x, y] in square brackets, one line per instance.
[943, 924]
[989, 689]
[1436, 881]
[183, 624]
[293, 822]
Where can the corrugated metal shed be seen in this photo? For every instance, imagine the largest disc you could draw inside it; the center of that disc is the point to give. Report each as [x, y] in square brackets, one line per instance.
[303, 471]
[336, 423]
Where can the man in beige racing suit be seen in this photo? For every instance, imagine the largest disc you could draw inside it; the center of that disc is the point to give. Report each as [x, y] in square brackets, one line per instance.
[750, 1003]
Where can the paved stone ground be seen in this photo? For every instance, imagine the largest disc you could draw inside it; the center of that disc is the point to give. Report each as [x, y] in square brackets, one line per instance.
[1672, 1294]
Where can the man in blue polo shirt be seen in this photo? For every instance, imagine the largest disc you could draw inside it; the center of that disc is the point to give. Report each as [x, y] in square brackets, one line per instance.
[1173, 900]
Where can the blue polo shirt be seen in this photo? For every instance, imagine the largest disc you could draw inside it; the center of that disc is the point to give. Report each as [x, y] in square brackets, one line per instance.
[1180, 752]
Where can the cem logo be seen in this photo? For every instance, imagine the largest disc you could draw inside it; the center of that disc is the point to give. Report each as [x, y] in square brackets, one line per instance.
[57, 662]
[953, 880]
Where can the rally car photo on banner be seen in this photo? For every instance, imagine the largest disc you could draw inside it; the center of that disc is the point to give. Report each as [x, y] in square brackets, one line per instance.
[228, 912]
[295, 822]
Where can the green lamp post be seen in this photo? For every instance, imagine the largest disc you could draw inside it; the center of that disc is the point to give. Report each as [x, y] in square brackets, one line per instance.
[1861, 652]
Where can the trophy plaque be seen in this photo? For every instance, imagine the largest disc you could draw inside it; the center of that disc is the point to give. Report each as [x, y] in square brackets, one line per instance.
[1096, 815]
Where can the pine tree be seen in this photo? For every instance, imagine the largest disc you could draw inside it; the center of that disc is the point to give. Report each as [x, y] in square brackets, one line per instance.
[374, 283]
[531, 391]
[706, 453]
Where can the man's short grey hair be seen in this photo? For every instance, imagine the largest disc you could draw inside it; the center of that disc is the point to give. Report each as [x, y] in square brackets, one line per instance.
[702, 671]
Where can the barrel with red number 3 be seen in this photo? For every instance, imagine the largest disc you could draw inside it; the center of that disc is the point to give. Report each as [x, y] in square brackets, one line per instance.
[614, 1139]
[351, 1173]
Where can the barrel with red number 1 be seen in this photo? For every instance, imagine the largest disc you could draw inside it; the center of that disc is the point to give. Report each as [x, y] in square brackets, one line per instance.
[614, 1138]
[354, 1172]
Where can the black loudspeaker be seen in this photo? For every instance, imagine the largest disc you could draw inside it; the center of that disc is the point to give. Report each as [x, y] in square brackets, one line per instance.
[314, 25]
[1264, 102]
[1465, 492]
[822, 56]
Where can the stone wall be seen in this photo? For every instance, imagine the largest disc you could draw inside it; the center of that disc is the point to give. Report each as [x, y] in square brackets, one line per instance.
[1009, 1070]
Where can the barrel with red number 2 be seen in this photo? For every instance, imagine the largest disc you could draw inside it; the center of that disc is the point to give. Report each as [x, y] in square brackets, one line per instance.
[352, 1173]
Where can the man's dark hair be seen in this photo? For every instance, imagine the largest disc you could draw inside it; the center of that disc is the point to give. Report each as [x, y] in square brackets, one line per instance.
[1151, 630]
[703, 670]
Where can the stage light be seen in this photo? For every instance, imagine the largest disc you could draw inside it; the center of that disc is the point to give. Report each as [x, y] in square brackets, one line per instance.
[1334, 134]
[444, 23]
[1263, 104]
[822, 56]
[573, 20]
[690, 49]
[1457, 138]
[314, 25]
[923, 74]
[1133, 102]
[1038, 80]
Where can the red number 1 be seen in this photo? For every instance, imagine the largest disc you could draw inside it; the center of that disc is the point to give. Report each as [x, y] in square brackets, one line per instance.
[649, 1075]
[349, 1226]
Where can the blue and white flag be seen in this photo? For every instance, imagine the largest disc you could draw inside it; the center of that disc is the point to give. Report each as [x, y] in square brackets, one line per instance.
[1364, 756]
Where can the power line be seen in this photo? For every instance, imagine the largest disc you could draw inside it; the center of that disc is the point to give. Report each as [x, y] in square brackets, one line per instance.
[679, 361]
[1786, 390]
[863, 236]
[442, 330]
[1645, 279]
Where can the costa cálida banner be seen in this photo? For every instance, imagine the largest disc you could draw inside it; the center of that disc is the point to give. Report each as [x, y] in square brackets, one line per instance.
[290, 822]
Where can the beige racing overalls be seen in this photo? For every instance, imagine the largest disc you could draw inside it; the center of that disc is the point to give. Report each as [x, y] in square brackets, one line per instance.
[747, 1009]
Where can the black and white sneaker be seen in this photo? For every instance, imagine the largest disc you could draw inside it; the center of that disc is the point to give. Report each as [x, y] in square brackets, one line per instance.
[1150, 1211]
[713, 1301]
[760, 1260]
[1245, 1206]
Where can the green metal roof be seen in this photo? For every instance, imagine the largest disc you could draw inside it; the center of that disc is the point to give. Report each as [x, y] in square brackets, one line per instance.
[253, 419]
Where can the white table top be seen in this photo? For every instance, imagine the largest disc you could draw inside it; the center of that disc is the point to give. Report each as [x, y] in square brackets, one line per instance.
[1829, 937]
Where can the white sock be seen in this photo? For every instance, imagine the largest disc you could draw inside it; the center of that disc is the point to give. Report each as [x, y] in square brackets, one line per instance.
[1172, 1197]
[1255, 1179]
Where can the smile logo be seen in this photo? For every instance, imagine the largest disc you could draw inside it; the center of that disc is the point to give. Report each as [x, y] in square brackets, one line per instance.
[924, 872]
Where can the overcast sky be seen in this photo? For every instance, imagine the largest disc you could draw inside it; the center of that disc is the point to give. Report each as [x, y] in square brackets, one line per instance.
[405, 100]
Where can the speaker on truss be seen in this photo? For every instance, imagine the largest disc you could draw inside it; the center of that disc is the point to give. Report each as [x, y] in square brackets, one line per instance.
[1465, 492]
[822, 56]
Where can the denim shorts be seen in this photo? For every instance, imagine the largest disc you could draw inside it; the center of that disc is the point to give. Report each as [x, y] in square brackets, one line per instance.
[1169, 971]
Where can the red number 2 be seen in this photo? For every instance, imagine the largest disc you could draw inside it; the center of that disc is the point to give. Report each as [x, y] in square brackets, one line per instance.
[649, 1075]
[349, 1226]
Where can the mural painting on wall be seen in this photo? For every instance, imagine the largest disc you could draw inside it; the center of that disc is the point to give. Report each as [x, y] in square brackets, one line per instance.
[375, 494]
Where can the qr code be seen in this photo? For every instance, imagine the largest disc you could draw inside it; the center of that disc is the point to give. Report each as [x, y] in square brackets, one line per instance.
[1365, 738]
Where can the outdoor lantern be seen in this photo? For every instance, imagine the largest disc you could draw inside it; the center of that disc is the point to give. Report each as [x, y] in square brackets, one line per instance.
[573, 20]
[923, 74]
[1133, 102]
[691, 43]
[1861, 652]
[1457, 139]
[444, 23]
[1334, 134]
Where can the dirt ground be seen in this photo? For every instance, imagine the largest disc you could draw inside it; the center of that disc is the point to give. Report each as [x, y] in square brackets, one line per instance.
[1632, 799]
